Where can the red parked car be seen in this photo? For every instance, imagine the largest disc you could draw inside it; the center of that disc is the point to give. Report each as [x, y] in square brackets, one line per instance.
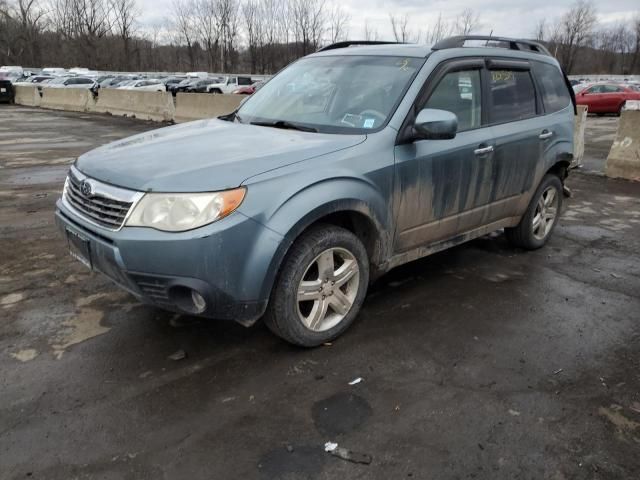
[604, 98]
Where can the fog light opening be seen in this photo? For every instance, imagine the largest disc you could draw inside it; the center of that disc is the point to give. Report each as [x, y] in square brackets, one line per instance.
[188, 300]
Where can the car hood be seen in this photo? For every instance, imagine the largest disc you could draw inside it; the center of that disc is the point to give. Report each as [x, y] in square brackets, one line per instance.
[204, 155]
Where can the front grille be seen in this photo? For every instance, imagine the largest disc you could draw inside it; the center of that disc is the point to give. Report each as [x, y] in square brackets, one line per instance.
[106, 212]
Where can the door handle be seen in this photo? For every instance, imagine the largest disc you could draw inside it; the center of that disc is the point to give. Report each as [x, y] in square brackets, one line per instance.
[483, 150]
[545, 134]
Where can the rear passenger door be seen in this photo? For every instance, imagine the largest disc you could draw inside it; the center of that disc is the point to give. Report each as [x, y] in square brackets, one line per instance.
[519, 133]
[558, 113]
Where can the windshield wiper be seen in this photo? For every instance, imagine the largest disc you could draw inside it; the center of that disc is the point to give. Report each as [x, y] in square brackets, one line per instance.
[286, 125]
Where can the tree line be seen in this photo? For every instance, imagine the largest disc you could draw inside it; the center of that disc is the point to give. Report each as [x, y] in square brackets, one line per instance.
[262, 36]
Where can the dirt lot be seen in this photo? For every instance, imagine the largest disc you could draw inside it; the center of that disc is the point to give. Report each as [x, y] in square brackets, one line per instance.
[482, 362]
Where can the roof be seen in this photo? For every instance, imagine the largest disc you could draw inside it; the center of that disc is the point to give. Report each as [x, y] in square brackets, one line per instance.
[391, 49]
[517, 48]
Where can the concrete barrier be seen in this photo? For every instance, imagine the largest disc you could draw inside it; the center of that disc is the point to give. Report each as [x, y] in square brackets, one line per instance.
[156, 106]
[624, 157]
[195, 106]
[26, 95]
[578, 136]
[68, 99]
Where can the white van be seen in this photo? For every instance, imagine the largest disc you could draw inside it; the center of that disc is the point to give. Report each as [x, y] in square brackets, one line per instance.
[53, 71]
[197, 74]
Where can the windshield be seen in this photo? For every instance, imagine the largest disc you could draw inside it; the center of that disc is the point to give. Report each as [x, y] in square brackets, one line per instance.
[333, 94]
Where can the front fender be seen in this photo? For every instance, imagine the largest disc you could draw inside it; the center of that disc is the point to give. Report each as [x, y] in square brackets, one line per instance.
[301, 209]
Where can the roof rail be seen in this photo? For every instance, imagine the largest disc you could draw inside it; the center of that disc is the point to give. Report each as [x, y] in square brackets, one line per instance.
[353, 43]
[513, 43]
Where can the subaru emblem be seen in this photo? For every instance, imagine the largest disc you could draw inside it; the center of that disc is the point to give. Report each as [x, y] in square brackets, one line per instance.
[86, 188]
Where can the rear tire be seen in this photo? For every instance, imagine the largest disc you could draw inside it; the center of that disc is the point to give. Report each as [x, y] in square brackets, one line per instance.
[320, 288]
[541, 216]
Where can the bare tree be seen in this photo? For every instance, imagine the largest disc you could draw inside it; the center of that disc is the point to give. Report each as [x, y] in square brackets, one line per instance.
[207, 28]
[28, 17]
[253, 24]
[228, 21]
[574, 31]
[183, 27]
[400, 27]
[635, 41]
[124, 14]
[370, 33]
[308, 22]
[540, 30]
[338, 24]
[441, 29]
[467, 22]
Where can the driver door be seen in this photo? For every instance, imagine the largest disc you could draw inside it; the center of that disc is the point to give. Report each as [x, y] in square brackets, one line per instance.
[443, 183]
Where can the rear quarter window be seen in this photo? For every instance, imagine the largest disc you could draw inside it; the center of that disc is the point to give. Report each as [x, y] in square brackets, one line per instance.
[555, 95]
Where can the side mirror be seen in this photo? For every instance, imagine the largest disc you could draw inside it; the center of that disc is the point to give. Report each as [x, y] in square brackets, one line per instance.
[432, 124]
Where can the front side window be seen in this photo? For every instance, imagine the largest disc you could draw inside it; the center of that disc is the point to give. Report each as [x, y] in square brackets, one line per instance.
[459, 93]
[334, 94]
[596, 89]
[513, 96]
[555, 95]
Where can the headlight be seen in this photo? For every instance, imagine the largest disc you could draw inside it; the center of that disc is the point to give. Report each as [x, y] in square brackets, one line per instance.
[177, 212]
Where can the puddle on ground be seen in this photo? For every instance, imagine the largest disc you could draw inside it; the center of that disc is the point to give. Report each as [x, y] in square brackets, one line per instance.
[83, 325]
[340, 413]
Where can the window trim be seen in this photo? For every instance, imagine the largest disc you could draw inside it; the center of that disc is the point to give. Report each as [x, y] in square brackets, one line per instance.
[405, 134]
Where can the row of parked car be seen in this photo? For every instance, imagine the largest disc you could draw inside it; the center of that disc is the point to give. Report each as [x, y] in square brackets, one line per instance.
[197, 82]
[606, 96]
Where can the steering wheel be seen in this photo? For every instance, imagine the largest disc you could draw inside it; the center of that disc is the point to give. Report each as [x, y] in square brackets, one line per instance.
[381, 116]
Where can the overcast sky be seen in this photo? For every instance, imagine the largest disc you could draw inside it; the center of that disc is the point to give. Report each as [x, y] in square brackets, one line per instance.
[506, 17]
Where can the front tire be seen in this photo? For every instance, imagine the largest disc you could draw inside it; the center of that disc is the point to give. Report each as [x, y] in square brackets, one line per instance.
[320, 288]
[541, 216]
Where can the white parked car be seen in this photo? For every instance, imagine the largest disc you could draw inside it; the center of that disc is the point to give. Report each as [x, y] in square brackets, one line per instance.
[148, 85]
[229, 84]
[34, 79]
[69, 82]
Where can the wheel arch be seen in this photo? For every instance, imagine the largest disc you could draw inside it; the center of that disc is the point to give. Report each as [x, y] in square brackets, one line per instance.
[351, 214]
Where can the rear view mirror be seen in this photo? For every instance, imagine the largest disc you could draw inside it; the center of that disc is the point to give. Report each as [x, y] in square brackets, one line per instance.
[435, 124]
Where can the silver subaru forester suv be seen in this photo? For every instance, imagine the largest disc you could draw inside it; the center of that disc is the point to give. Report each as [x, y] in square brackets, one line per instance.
[347, 163]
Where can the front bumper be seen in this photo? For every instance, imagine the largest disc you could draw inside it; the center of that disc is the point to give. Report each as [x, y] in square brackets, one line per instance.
[218, 261]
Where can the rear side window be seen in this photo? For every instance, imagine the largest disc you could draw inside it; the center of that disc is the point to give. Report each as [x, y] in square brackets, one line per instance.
[513, 96]
[555, 95]
[612, 89]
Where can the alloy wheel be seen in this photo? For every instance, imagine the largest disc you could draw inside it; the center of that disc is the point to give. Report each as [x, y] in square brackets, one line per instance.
[545, 214]
[328, 289]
